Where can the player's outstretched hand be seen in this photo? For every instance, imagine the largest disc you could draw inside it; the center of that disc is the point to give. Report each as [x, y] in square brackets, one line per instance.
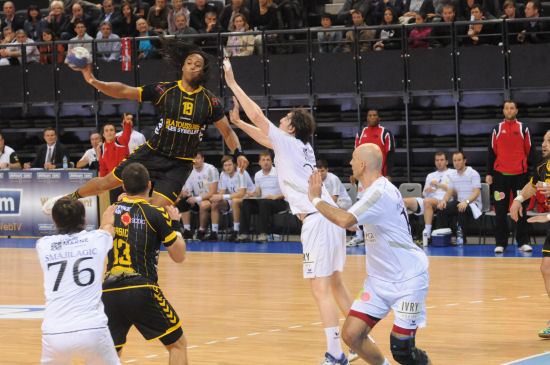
[173, 212]
[539, 219]
[234, 115]
[87, 73]
[229, 76]
[108, 220]
[516, 210]
[315, 185]
[242, 163]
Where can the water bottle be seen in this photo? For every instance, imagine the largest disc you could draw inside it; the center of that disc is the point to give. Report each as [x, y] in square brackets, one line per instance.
[425, 237]
[65, 162]
[459, 236]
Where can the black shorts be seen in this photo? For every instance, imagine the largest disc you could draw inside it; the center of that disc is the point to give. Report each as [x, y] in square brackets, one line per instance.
[144, 307]
[184, 206]
[546, 247]
[167, 174]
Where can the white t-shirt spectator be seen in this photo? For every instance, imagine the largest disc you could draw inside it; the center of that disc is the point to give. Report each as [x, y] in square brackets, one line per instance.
[464, 185]
[198, 182]
[136, 140]
[90, 155]
[336, 188]
[441, 177]
[267, 183]
[6, 155]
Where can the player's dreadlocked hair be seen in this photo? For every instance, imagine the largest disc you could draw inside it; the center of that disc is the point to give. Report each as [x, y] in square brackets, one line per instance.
[176, 52]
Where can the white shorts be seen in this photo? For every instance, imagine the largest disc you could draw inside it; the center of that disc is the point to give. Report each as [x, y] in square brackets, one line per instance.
[324, 246]
[406, 299]
[420, 202]
[95, 346]
[230, 209]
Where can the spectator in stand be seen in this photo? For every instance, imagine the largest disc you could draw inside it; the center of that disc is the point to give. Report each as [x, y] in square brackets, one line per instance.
[77, 13]
[419, 36]
[271, 200]
[389, 38]
[376, 13]
[84, 39]
[68, 4]
[10, 19]
[136, 138]
[158, 16]
[108, 51]
[480, 33]
[148, 48]
[264, 16]
[108, 13]
[229, 198]
[178, 9]
[112, 151]
[34, 24]
[125, 26]
[195, 195]
[230, 11]
[510, 10]
[330, 41]
[441, 35]
[58, 21]
[9, 37]
[13, 55]
[464, 186]
[50, 155]
[511, 161]
[533, 31]
[46, 50]
[366, 36]
[291, 11]
[351, 6]
[8, 157]
[334, 186]
[198, 15]
[239, 45]
[210, 44]
[183, 29]
[416, 6]
[89, 158]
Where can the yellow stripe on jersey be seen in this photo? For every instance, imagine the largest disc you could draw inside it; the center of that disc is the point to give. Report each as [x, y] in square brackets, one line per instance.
[209, 103]
[187, 92]
[170, 330]
[147, 220]
[171, 201]
[545, 250]
[140, 89]
[170, 237]
[131, 287]
[116, 177]
[162, 96]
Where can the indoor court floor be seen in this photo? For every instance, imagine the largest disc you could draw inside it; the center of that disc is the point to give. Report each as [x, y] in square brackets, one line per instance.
[248, 304]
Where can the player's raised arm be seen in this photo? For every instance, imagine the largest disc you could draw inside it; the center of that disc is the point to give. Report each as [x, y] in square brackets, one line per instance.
[252, 110]
[254, 132]
[116, 90]
[232, 142]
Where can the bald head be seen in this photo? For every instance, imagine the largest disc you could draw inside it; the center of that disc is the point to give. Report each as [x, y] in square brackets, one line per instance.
[371, 155]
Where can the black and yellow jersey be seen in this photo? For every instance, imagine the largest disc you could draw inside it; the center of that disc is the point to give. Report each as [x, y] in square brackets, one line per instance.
[140, 228]
[182, 117]
[542, 173]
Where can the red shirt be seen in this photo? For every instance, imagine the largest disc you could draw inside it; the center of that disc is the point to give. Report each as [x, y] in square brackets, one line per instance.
[112, 153]
[384, 139]
[510, 148]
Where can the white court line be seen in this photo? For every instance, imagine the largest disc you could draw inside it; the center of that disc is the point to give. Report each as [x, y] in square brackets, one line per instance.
[151, 356]
[316, 323]
[231, 338]
[525, 358]
[210, 342]
[274, 330]
[298, 326]
[432, 306]
[452, 304]
[524, 296]
[476, 301]
[192, 347]
[253, 334]
[132, 360]
[499, 298]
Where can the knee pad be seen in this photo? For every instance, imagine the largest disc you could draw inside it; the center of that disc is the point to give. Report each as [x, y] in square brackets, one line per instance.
[404, 351]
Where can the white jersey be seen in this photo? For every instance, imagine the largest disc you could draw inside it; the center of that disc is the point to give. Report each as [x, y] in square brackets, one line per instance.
[336, 188]
[441, 177]
[5, 156]
[390, 252]
[295, 162]
[73, 267]
[136, 140]
[90, 155]
[464, 185]
[232, 184]
[198, 182]
[250, 187]
[267, 183]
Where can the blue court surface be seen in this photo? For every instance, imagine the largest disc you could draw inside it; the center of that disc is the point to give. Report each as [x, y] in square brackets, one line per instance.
[284, 247]
[542, 359]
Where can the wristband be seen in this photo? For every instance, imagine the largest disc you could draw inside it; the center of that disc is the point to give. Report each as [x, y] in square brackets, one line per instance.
[178, 233]
[520, 198]
[238, 152]
[315, 201]
[199, 199]
[548, 216]
[176, 225]
[226, 197]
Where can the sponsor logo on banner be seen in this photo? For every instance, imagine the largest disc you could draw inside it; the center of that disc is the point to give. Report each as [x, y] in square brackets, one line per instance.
[2, 175]
[20, 176]
[77, 176]
[48, 175]
[10, 202]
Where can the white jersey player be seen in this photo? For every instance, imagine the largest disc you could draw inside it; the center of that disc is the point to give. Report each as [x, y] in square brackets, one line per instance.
[75, 324]
[335, 188]
[397, 268]
[198, 182]
[323, 243]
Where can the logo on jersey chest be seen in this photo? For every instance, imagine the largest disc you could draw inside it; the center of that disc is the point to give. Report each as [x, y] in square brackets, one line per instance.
[126, 219]
[370, 237]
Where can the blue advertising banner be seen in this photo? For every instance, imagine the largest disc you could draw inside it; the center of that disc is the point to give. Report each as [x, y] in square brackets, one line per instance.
[24, 192]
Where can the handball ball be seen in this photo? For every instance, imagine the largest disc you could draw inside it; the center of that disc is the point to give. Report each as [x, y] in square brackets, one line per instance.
[78, 57]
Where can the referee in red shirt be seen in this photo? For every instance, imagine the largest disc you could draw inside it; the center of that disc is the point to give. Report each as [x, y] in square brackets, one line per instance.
[510, 162]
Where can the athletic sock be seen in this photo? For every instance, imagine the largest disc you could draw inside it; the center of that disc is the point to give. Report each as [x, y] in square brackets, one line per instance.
[236, 226]
[187, 227]
[429, 229]
[359, 233]
[76, 195]
[334, 346]
[386, 362]
[214, 228]
[201, 229]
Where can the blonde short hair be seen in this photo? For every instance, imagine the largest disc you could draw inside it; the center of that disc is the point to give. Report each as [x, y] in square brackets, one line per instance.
[232, 26]
[57, 3]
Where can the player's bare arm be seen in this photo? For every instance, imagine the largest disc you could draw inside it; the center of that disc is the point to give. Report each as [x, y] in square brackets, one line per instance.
[232, 141]
[336, 215]
[516, 210]
[254, 132]
[116, 90]
[178, 249]
[252, 110]
[108, 220]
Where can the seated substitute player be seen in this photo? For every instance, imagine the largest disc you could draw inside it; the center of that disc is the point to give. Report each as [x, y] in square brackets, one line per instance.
[435, 188]
[198, 189]
[75, 324]
[184, 109]
[397, 268]
[539, 182]
[229, 198]
[131, 294]
[334, 186]
[323, 243]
